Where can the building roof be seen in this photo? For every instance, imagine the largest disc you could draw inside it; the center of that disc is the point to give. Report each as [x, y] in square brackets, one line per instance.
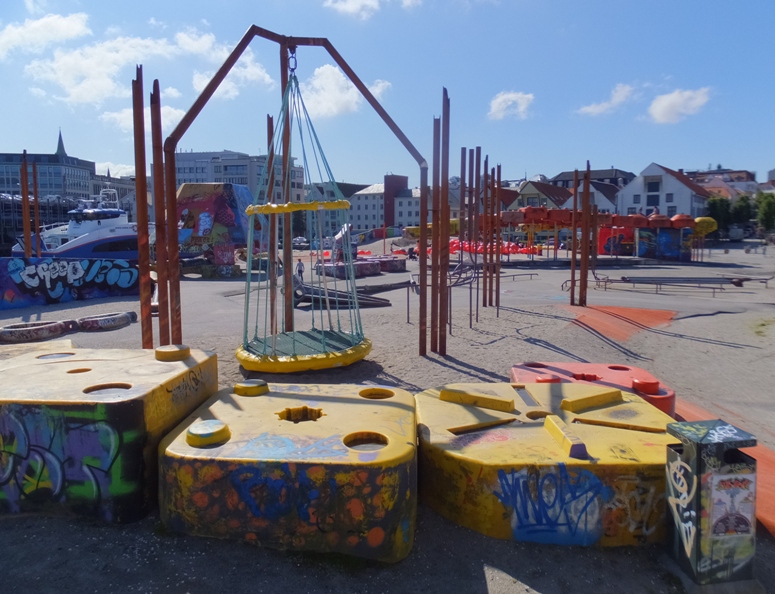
[696, 188]
[556, 194]
[372, 189]
[607, 190]
[596, 174]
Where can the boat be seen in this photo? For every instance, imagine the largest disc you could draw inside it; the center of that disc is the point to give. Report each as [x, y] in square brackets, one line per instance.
[97, 228]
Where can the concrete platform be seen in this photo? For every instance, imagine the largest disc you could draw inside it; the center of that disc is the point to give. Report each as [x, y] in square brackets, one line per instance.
[300, 467]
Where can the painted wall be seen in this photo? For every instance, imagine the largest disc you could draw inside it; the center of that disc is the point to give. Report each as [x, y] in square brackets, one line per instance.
[665, 244]
[618, 243]
[25, 282]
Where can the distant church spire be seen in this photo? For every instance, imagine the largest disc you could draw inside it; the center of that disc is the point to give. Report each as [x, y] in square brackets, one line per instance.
[108, 172]
[61, 145]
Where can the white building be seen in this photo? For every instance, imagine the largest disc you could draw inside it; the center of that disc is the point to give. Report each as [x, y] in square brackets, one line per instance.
[662, 190]
[367, 208]
[236, 168]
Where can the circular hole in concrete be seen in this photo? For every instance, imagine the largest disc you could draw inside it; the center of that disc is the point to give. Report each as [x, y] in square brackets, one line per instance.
[376, 393]
[107, 389]
[534, 415]
[535, 365]
[365, 441]
[618, 368]
[55, 356]
[80, 370]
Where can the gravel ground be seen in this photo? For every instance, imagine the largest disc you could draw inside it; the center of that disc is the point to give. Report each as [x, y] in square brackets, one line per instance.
[717, 352]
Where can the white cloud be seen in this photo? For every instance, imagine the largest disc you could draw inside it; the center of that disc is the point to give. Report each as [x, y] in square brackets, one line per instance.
[36, 6]
[158, 24]
[620, 94]
[116, 169]
[170, 93]
[510, 103]
[410, 3]
[673, 107]
[124, 119]
[37, 92]
[33, 36]
[226, 90]
[329, 92]
[359, 8]
[91, 74]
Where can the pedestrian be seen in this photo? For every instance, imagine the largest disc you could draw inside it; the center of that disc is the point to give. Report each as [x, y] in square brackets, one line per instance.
[300, 270]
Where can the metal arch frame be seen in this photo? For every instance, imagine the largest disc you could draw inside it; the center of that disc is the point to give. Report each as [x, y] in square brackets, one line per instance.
[286, 43]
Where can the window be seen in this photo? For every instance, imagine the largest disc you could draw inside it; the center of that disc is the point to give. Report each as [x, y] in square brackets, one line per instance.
[669, 197]
[652, 186]
[671, 211]
[400, 213]
[652, 200]
[636, 198]
[631, 210]
[417, 213]
[400, 203]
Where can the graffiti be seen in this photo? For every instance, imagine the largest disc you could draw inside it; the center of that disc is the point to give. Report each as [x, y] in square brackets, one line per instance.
[479, 437]
[49, 458]
[680, 497]
[29, 281]
[553, 505]
[722, 433]
[635, 507]
[189, 385]
[270, 446]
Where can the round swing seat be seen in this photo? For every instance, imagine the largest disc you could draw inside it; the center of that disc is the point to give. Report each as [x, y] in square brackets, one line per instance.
[300, 351]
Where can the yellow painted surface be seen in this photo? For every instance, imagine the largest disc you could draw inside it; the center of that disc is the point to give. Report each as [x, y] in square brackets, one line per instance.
[327, 468]
[95, 416]
[297, 206]
[478, 400]
[542, 472]
[293, 364]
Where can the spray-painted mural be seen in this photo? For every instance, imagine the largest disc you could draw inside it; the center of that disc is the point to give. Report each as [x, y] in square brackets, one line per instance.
[616, 242]
[212, 221]
[711, 492]
[665, 244]
[38, 281]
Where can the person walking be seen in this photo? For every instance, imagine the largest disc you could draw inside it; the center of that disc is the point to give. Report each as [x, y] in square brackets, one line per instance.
[300, 270]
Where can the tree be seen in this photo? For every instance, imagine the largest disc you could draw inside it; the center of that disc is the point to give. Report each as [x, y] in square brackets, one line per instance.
[767, 212]
[718, 208]
[742, 211]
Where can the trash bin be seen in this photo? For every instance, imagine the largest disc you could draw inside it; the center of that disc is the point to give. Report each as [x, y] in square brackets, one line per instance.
[711, 498]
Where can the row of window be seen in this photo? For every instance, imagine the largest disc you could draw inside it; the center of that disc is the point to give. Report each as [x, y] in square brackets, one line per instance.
[652, 199]
[671, 210]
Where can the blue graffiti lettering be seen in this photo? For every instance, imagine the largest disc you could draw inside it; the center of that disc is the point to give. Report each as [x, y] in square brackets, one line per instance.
[553, 505]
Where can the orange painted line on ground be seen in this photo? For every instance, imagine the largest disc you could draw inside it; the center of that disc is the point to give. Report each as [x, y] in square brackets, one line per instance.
[620, 323]
[765, 465]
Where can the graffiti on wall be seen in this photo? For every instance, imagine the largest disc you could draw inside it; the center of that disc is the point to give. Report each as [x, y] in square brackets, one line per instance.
[367, 511]
[553, 505]
[38, 281]
[74, 459]
[665, 244]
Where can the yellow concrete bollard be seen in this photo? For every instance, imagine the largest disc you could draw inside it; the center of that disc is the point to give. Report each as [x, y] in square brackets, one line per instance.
[555, 463]
[80, 428]
[327, 468]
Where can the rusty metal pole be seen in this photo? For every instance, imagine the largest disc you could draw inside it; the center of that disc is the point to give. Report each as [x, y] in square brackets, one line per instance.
[574, 246]
[141, 191]
[173, 253]
[36, 196]
[435, 236]
[595, 231]
[423, 262]
[485, 239]
[498, 243]
[286, 173]
[493, 257]
[25, 185]
[461, 232]
[471, 197]
[444, 220]
[584, 240]
[159, 207]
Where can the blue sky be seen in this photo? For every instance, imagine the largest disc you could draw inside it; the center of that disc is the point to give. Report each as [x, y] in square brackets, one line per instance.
[540, 85]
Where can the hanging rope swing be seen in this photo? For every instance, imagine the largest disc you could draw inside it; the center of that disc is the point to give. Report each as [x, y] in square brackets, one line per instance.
[332, 336]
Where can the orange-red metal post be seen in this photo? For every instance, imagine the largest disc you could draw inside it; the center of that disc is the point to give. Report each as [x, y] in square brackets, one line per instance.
[498, 242]
[485, 229]
[463, 212]
[141, 190]
[435, 237]
[25, 207]
[493, 256]
[444, 222]
[585, 226]
[36, 207]
[573, 241]
[159, 207]
[173, 253]
[286, 177]
[423, 350]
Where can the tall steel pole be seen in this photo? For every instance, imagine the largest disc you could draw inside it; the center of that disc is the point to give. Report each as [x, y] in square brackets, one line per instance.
[444, 228]
[435, 237]
[573, 243]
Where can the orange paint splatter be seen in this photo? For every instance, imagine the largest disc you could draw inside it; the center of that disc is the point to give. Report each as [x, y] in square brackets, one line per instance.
[619, 323]
[375, 537]
[232, 499]
[352, 540]
[200, 499]
[355, 507]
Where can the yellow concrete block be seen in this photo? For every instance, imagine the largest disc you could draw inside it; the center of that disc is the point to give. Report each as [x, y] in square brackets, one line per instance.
[479, 400]
[79, 428]
[327, 468]
[544, 473]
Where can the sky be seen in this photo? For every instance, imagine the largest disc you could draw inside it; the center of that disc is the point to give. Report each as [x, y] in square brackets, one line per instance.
[541, 86]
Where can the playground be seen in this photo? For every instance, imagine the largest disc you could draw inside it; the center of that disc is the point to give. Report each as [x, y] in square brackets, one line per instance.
[716, 352]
